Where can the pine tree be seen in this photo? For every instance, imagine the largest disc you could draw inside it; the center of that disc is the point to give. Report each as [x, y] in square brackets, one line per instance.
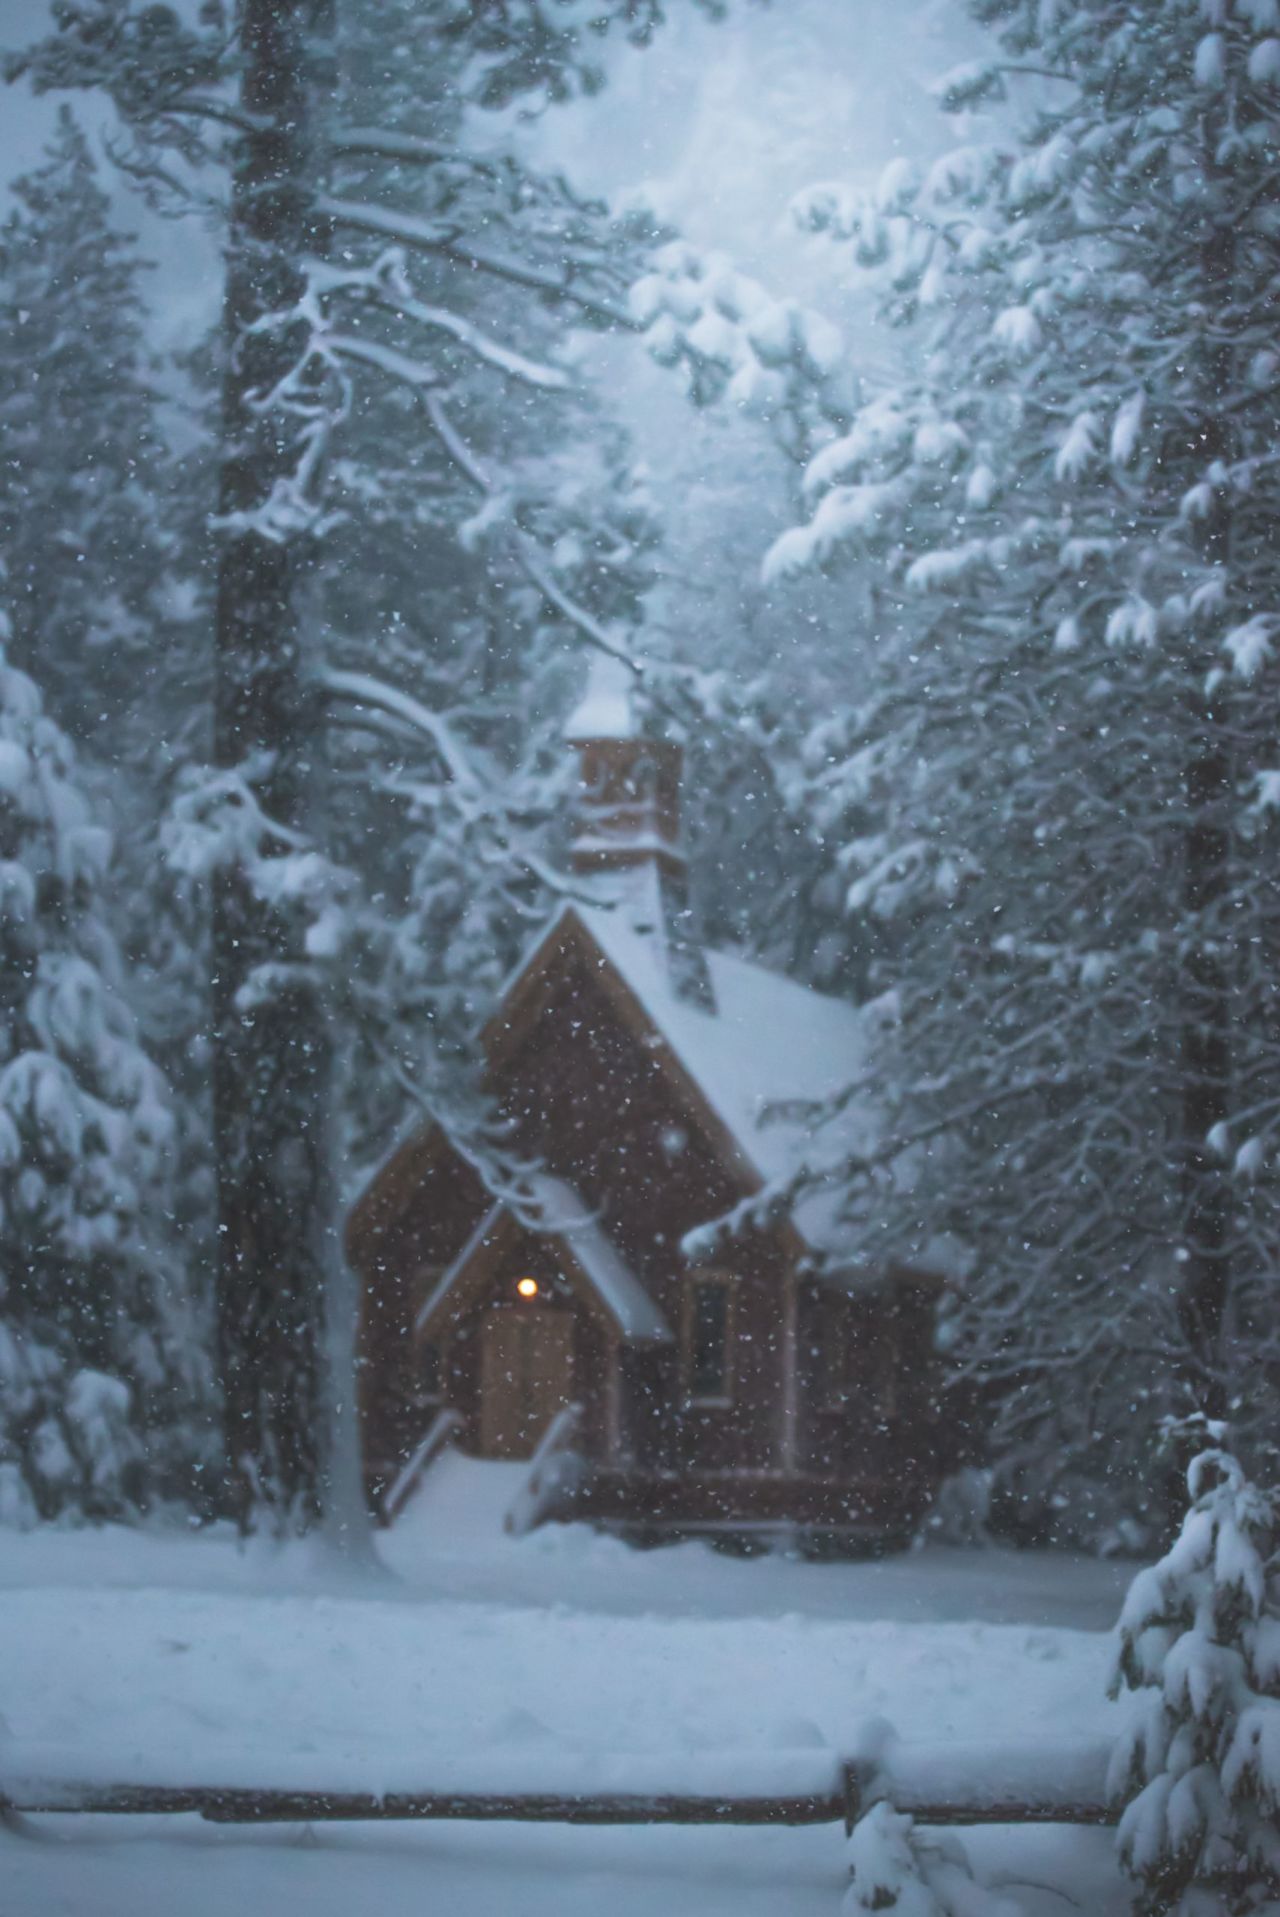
[1199, 1768]
[307, 326]
[96, 1369]
[1050, 791]
[101, 526]
[81, 464]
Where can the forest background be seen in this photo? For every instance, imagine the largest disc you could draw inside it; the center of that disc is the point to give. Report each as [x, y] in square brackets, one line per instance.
[947, 746]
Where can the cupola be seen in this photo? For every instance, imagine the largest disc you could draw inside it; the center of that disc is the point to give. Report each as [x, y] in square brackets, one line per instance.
[625, 830]
[627, 811]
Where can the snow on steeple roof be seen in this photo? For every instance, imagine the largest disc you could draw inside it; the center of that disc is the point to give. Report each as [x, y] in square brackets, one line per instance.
[605, 709]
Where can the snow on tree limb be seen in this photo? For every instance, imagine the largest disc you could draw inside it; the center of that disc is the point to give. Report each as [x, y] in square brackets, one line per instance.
[361, 688]
[442, 237]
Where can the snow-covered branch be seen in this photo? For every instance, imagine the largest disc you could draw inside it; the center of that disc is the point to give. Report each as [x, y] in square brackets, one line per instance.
[450, 240]
[382, 143]
[529, 559]
[362, 689]
[386, 285]
[416, 373]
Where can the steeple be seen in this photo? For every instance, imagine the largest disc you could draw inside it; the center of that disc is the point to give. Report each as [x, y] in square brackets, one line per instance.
[627, 814]
[626, 823]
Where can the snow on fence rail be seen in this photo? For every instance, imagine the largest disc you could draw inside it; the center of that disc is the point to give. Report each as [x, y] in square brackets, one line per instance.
[1008, 1782]
[937, 1784]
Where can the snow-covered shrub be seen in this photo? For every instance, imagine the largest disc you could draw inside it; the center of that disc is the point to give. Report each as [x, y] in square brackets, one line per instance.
[892, 1868]
[961, 1511]
[1199, 1768]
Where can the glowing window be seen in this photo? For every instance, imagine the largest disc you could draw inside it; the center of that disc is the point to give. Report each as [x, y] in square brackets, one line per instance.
[527, 1287]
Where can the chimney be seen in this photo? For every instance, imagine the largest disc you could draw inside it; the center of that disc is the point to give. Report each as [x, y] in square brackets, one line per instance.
[626, 823]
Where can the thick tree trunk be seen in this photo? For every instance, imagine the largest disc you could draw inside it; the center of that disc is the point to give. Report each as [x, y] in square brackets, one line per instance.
[1206, 1066]
[1206, 1009]
[273, 1058]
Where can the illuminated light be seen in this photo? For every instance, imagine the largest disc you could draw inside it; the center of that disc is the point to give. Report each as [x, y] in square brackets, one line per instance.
[527, 1287]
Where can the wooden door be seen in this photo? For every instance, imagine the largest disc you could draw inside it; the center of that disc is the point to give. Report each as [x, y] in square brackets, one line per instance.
[526, 1376]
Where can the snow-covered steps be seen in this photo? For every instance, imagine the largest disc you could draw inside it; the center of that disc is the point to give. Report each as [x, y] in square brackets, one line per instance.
[461, 1503]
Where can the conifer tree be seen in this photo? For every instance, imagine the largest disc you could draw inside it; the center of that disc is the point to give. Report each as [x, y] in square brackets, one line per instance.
[97, 1369]
[1198, 1770]
[1051, 788]
[81, 464]
[307, 326]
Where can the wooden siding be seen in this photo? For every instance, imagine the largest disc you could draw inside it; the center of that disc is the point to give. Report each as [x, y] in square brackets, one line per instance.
[590, 1092]
[593, 1094]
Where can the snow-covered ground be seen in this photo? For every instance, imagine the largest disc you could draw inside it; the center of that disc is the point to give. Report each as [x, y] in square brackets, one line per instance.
[564, 1652]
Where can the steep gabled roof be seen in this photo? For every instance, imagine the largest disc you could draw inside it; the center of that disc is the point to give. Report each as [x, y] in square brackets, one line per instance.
[757, 1060]
[592, 1260]
[769, 1043]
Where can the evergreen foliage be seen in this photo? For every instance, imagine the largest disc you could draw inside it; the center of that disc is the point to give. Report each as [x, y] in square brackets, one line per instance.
[1051, 796]
[1199, 1767]
[96, 1369]
[893, 1867]
[355, 251]
[81, 464]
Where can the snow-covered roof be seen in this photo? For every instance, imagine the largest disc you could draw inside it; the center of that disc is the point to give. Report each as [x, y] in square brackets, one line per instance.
[604, 710]
[768, 1048]
[554, 1209]
[620, 1291]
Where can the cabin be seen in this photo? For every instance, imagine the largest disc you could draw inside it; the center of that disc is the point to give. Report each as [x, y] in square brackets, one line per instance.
[713, 1372]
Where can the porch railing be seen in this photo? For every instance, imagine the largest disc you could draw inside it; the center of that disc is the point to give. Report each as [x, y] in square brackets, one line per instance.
[442, 1430]
[555, 1472]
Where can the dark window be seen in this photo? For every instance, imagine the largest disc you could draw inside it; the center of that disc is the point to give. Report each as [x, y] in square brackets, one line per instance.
[709, 1341]
[833, 1353]
[429, 1371]
[875, 1360]
[887, 1364]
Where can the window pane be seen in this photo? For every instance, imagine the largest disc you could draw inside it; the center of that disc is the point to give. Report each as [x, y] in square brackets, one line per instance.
[429, 1371]
[833, 1362]
[707, 1343]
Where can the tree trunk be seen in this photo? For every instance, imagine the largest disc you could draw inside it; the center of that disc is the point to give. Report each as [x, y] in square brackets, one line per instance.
[273, 1054]
[1206, 1052]
[1206, 1065]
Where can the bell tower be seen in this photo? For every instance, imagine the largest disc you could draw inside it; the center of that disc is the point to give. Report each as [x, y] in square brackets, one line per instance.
[627, 810]
[626, 824]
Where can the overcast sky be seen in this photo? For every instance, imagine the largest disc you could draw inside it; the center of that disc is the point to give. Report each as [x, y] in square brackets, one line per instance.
[721, 123]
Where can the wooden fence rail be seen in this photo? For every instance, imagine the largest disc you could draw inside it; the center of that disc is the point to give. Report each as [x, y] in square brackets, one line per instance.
[948, 1784]
[983, 1783]
[220, 1805]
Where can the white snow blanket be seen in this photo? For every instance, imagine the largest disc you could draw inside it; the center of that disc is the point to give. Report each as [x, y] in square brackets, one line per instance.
[560, 1656]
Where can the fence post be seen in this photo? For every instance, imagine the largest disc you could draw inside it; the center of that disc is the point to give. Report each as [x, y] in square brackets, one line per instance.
[866, 1770]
